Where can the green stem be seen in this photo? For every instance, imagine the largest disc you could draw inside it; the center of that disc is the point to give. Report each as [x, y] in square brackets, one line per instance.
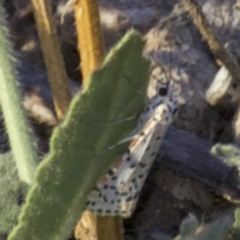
[18, 129]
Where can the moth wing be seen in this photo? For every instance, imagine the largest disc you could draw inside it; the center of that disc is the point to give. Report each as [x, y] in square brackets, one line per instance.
[117, 191]
[143, 155]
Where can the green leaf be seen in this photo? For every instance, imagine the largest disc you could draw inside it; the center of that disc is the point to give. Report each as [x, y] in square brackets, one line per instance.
[106, 111]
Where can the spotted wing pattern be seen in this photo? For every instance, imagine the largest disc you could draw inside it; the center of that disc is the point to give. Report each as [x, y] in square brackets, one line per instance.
[117, 192]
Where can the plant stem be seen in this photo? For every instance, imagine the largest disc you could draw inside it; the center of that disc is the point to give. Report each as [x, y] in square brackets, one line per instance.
[91, 48]
[90, 40]
[19, 132]
[53, 59]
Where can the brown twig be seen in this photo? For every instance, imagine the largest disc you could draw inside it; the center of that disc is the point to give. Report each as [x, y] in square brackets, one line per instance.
[221, 54]
[213, 42]
[91, 48]
[52, 56]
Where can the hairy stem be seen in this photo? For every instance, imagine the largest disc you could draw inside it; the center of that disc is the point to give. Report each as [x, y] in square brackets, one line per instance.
[22, 144]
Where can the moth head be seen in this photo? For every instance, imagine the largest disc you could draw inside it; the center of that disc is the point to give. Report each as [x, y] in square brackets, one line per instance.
[162, 89]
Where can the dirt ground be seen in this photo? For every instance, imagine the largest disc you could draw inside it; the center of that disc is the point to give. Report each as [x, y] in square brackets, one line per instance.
[167, 198]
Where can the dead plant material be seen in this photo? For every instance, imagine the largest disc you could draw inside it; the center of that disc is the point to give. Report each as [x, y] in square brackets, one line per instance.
[53, 59]
[213, 42]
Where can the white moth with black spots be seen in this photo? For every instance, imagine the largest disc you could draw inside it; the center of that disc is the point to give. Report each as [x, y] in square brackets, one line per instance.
[117, 192]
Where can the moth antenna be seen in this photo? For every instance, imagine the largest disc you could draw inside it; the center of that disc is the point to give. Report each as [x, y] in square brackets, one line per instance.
[158, 63]
[170, 61]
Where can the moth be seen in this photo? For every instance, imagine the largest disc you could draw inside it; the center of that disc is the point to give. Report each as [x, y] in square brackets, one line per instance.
[117, 192]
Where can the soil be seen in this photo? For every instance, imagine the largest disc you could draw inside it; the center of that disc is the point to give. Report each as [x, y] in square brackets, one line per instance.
[167, 198]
